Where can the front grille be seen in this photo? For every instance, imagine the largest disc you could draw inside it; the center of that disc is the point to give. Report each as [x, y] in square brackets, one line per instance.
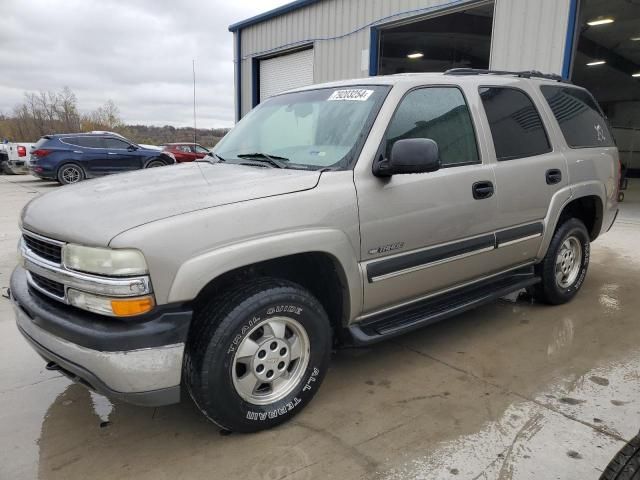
[44, 249]
[54, 288]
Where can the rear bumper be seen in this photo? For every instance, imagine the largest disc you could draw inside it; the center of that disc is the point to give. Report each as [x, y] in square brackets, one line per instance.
[140, 374]
[17, 167]
[41, 171]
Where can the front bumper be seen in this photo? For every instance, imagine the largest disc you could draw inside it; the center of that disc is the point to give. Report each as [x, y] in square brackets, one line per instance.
[145, 370]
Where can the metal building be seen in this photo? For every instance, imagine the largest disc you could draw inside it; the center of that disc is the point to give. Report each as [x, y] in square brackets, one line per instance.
[595, 43]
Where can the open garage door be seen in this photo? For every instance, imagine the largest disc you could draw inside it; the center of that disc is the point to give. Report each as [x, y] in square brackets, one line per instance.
[461, 39]
[285, 72]
[607, 62]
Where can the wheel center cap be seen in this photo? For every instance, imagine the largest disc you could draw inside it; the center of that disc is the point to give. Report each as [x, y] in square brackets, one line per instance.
[271, 360]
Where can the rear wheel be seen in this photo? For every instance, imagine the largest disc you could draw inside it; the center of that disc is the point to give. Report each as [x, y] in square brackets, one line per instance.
[70, 173]
[565, 265]
[257, 354]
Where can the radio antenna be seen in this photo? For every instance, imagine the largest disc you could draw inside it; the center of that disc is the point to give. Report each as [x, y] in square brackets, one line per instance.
[195, 128]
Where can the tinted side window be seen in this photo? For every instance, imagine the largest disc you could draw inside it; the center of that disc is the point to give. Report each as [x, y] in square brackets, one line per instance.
[115, 143]
[579, 116]
[516, 126]
[72, 141]
[440, 114]
[89, 142]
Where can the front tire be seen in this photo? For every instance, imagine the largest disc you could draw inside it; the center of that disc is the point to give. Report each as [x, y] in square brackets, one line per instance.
[257, 354]
[565, 265]
[70, 173]
[155, 164]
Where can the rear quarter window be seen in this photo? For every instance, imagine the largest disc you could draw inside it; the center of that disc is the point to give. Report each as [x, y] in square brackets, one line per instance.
[41, 142]
[581, 120]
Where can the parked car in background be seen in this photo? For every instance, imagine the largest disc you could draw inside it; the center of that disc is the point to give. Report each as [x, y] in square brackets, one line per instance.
[14, 158]
[73, 157]
[186, 152]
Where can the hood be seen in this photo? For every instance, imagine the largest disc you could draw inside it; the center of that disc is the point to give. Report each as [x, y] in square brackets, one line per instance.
[95, 211]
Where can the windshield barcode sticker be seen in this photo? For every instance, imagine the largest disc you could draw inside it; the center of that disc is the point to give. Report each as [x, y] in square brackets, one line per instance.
[353, 94]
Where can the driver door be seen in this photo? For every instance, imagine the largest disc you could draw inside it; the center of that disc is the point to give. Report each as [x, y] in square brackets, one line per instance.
[422, 233]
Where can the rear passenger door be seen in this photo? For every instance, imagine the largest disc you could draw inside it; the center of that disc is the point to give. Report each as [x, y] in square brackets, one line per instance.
[529, 169]
[92, 155]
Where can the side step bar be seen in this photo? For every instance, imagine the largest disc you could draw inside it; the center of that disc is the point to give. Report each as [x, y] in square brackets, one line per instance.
[405, 319]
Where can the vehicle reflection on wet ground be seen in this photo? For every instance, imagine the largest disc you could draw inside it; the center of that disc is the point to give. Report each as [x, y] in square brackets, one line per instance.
[510, 390]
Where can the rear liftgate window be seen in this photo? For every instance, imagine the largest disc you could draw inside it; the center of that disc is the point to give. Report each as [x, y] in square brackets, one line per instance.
[581, 121]
[516, 126]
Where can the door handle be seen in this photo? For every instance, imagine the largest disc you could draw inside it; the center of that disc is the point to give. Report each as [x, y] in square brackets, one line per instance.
[553, 176]
[111, 153]
[482, 190]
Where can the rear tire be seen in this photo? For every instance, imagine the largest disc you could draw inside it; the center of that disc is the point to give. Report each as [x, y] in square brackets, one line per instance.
[257, 354]
[70, 173]
[564, 267]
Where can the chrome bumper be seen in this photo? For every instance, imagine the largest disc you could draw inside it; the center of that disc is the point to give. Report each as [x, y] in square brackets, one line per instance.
[149, 376]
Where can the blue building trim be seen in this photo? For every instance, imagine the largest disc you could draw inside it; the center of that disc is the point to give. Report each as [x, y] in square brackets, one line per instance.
[289, 7]
[238, 62]
[255, 82]
[569, 47]
[374, 46]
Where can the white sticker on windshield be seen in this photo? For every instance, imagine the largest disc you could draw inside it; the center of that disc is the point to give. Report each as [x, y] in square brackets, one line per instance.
[353, 94]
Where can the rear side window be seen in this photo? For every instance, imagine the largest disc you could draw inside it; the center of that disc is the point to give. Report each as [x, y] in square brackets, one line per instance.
[515, 123]
[581, 120]
[88, 142]
[440, 114]
[71, 141]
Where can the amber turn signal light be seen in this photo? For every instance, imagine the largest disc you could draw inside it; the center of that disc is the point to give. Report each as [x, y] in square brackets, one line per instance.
[127, 307]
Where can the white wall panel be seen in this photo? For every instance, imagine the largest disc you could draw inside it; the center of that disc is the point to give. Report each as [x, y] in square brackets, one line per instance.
[528, 34]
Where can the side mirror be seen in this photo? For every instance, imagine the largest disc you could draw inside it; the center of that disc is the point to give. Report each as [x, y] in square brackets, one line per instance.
[132, 148]
[410, 155]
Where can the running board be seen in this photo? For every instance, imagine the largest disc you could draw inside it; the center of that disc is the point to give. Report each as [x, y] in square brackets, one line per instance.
[407, 318]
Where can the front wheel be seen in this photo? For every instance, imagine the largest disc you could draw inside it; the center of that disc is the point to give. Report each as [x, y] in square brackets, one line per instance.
[257, 354]
[565, 265]
[155, 164]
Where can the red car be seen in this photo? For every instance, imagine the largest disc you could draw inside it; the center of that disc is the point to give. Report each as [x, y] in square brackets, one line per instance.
[186, 152]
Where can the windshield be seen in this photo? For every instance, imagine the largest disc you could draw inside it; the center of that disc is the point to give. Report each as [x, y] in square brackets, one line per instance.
[314, 129]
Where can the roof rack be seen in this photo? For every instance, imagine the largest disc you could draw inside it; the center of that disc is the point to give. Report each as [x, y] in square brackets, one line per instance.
[522, 74]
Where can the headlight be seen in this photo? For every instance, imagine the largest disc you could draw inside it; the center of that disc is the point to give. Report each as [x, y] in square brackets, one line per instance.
[104, 261]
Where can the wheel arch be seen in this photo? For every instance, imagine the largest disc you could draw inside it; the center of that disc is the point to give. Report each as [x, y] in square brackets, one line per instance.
[328, 283]
[330, 271]
[585, 202]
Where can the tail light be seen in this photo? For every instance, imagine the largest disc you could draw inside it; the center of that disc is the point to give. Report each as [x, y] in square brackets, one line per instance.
[41, 152]
[22, 151]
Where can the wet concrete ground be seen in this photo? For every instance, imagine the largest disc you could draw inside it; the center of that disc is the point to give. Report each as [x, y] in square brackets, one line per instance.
[511, 390]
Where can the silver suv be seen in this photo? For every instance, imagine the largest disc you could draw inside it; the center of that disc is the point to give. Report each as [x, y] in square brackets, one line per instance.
[344, 213]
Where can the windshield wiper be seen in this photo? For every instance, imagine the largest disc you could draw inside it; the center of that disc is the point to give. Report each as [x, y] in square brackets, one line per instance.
[274, 160]
[211, 154]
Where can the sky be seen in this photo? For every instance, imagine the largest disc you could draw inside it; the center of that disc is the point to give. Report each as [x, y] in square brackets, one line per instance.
[137, 53]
